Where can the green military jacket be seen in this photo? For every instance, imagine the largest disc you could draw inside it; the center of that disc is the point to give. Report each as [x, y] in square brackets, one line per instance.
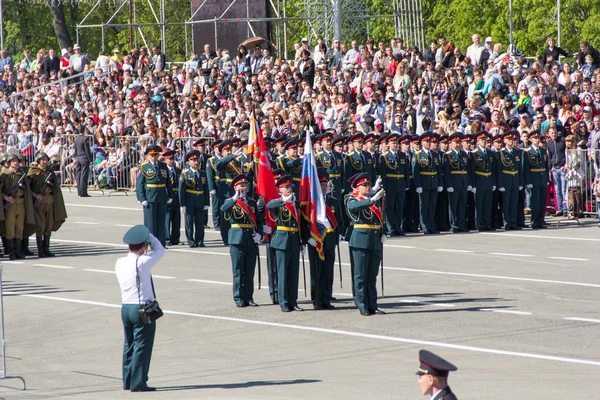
[457, 174]
[367, 221]
[394, 171]
[152, 184]
[334, 165]
[193, 190]
[510, 169]
[535, 166]
[483, 167]
[245, 220]
[287, 216]
[427, 170]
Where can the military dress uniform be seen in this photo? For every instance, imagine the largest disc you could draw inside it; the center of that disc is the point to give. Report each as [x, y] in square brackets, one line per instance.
[484, 181]
[173, 219]
[535, 176]
[366, 247]
[15, 186]
[394, 169]
[442, 216]
[213, 178]
[436, 366]
[228, 168]
[50, 210]
[154, 191]
[457, 181]
[292, 166]
[357, 162]
[511, 181]
[411, 218]
[244, 236]
[427, 169]
[334, 164]
[194, 196]
[286, 243]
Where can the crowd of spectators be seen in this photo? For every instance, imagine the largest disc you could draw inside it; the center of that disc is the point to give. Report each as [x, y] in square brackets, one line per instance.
[346, 87]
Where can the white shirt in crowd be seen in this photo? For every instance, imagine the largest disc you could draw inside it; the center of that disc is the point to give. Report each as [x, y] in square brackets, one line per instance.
[126, 274]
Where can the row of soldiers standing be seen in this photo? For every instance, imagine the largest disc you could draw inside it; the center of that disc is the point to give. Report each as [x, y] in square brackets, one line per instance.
[32, 204]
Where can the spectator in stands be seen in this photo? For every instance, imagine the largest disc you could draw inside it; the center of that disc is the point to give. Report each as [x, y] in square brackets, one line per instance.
[79, 60]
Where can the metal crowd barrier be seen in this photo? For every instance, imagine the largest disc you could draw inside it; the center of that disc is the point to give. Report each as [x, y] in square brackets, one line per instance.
[582, 176]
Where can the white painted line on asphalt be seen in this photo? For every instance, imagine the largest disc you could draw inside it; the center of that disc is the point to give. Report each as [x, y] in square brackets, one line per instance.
[163, 277]
[340, 332]
[509, 278]
[597, 321]
[207, 281]
[343, 294]
[87, 223]
[428, 303]
[399, 246]
[454, 250]
[105, 207]
[12, 262]
[505, 311]
[569, 258]
[541, 236]
[510, 255]
[53, 266]
[104, 271]
[124, 225]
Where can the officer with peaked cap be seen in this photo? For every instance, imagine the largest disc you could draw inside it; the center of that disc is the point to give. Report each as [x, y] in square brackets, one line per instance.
[484, 181]
[358, 160]
[271, 257]
[244, 236]
[194, 199]
[510, 181]
[173, 219]
[457, 182]
[228, 167]
[213, 178]
[154, 192]
[291, 163]
[286, 243]
[433, 376]
[134, 273]
[535, 178]
[428, 181]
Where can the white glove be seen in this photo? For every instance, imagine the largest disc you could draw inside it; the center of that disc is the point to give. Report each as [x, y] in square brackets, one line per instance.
[312, 242]
[440, 188]
[528, 186]
[289, 198]
[343, 190]
[236, 196]
[183, 209]
[377, 195]
[256, 238]
[238, 152]
[169, 201]
[378, 184]
[419, 190]
[474, 190]
[450, 190]
[406, 189]
[145, 203]
[213, 192]
[267, 229]
[493, 188]
[383, 238]
[340, 238]
[303, 250]
[520, 187]
[205, 208]
[501, 190]
[469, 188]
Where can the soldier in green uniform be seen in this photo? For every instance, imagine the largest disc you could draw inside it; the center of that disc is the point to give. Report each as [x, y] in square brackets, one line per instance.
[213, 178]
[357, 160]
[321, 270]
[442, 217]
[18, 206]
[366, 242]
[428, 181]
[484, 182]
[173, 219]
[228, 167]
[457, 181]
[244, 236]
[333, 162]
[278, 152]
[271, 256]
[48, 202]
[26, 232]
[535, 177]
[286, 243]
[394, 170]
[154, 192]
[510, 180]
[291, 163]
[409, 144]
[194, 199]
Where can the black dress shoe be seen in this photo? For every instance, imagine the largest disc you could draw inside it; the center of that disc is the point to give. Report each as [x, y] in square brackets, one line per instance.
[316, 307]
[333, 299]
[241, 304]
[275, 301]
[543, 227]
[517, 228]
[192, 245]
[400, 234]
[329, 307]
[201, 245]
[285, 310]
[145, 389]
[87, 195]
[364, 313]
[296, 308]
[380, 312]
[251, 303]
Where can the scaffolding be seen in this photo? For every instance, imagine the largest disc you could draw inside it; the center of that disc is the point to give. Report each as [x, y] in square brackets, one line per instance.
[287, 21]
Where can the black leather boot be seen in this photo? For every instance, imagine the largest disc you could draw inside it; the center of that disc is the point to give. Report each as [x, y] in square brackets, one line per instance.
[25, 247]
[18, 243]
[47, 247]
[40, 246]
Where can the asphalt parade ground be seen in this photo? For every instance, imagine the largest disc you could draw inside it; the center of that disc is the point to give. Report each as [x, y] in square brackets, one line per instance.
[517, 312]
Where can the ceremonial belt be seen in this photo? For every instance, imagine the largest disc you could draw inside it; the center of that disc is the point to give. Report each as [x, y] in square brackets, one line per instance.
[194, 191]
[366, 226]
[296, 179]
[217, 179]
[335, 175]
[229, 180]
[175, 190]
[287, 229]
[538, 170]
[428, 173]
[486, 174]
[395, 175]
[155, 185]
[329, 230]
[242, 226]
[510, 172]
[458, 172]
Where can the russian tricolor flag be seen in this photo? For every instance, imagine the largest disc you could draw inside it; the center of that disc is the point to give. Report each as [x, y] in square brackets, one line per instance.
[312, 202]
